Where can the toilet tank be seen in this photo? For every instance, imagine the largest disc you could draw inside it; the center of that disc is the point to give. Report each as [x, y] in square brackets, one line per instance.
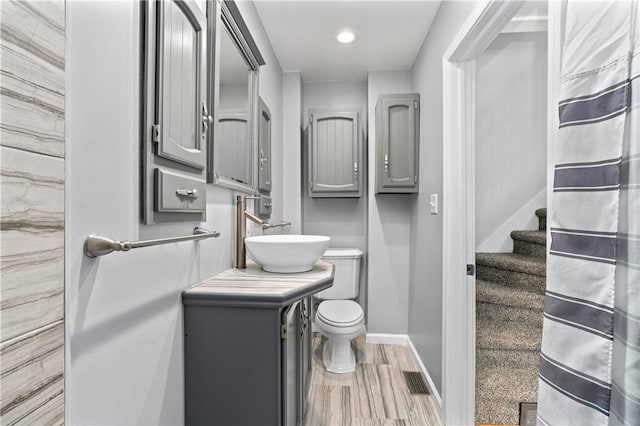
[346, 274]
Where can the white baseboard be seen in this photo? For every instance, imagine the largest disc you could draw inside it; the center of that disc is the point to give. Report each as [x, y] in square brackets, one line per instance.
[387, 339]
[425, 373]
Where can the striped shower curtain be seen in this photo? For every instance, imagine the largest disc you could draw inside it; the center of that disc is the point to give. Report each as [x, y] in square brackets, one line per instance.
[590, 360]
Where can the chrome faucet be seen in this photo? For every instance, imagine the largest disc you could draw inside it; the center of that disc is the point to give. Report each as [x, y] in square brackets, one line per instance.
[241, 227]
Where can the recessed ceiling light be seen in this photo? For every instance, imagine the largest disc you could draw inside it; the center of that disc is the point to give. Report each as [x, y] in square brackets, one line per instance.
[346, 37]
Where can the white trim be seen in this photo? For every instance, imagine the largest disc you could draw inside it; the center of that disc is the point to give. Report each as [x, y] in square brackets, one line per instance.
[554, 63]
[458, 322]
[387, 339]
[432, 387]
[526, 24]
[480, 29]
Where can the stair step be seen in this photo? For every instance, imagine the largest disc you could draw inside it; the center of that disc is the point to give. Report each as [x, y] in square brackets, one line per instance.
[512, 269]
[508, 318]
[508, 328]
[503, 379]
[499, 294]
[542, 219]
[509, 314]
[533, 237]
[530, 243]
[513, 262]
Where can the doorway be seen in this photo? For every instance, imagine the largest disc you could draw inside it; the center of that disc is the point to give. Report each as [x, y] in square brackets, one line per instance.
[510, 200]
[459, 286]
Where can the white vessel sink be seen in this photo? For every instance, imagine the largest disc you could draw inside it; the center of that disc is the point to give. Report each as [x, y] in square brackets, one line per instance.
[286, 253]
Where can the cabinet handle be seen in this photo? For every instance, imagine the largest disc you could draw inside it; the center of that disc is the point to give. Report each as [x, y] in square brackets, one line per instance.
[355, 171]
[263, 159]
[206, 118]
[189, 193]
[386, 164]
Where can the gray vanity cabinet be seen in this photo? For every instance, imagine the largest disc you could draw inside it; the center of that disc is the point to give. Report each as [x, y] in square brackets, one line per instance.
[335, 154]
[397, 143]
[247, 346]
[245, 365]
[264, 148]
[175, 115]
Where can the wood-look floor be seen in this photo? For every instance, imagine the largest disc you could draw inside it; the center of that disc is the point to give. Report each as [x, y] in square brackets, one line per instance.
[375, 394]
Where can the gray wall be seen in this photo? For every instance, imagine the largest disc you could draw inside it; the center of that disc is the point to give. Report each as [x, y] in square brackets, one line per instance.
[292, 151]
[511, 133]
[388, 229]
[124, 329]
[425, 288]
[32, 184]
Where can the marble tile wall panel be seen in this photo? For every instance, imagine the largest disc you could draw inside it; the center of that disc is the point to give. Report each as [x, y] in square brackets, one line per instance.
[32, 376]
[32, 173]
[32, 269]
[32, 74]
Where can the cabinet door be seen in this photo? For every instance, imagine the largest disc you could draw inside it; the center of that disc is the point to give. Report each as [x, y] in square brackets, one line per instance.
[233, 139]
[180, 102]
[307, 352]
[175, 117]
[264, 148]
[397, 141]
[292, 363]
[334, 154]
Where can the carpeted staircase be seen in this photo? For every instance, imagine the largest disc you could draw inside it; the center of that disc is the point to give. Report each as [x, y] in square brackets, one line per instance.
[509, 306]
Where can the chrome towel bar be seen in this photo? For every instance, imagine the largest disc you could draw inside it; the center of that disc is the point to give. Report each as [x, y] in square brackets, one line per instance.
[97, 245]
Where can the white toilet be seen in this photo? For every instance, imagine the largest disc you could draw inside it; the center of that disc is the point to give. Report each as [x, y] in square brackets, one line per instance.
[338, 316]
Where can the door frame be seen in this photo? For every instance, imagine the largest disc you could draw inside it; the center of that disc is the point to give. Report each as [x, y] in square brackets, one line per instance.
[458, 317]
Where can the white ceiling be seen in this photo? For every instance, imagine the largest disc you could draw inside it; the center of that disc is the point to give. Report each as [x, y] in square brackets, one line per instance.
[388, 33]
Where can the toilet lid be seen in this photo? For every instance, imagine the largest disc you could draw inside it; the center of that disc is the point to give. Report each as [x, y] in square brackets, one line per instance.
[340, 312]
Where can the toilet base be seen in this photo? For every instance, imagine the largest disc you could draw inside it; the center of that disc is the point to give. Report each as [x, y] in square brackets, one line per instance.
[338, 357]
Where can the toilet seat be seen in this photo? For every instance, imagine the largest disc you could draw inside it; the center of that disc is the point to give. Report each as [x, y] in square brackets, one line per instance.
[340, 313]
[340, 318]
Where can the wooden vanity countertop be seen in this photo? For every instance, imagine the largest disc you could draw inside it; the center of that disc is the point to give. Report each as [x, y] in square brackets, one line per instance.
[253, 287]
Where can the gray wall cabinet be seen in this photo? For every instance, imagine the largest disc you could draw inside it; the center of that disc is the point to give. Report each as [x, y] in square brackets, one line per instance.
[335, 153]
[264, 148]
[175, 116]
[397, 143]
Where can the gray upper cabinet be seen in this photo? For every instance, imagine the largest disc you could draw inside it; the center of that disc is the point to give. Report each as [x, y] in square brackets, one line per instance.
[180, 103]
[397, 143]
[335, 154]
[175, 115]
[264, 148]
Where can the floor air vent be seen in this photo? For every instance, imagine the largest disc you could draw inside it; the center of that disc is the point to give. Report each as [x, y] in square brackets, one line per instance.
[415, 383]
